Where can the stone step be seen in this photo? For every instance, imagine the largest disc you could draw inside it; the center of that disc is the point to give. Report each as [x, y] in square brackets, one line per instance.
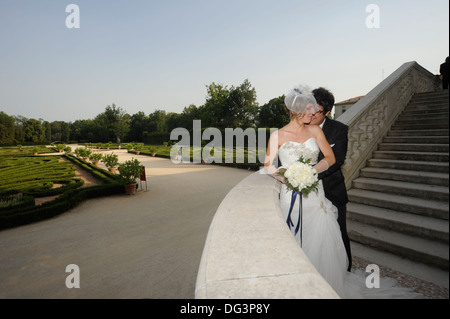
[421, 120]
[430, 98]
[429, 101]
[417, 139]
[441, 132]
[412, 224]
[411, 156]
[404, 175]
[422, 110]
[393, 187]
[437, 167]
[426, 112]
[420, 126]
[431, 208]
[441, 93]
[438, 118]
[399, 205]
[437, 104]
[415, 248]
[410, 147]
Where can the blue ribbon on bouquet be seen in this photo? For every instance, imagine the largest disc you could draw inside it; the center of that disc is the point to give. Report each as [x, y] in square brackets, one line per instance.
[300, 215]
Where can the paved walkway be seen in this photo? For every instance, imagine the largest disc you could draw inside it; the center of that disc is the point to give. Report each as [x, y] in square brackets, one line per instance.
[144, 246]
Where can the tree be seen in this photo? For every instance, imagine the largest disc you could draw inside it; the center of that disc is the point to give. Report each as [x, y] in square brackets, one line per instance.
[19, 127]
[212, 113]
[173, 121]
[34, 132]
[138, 124]
[241, 107]
[65, 132]
[55, 127]
[273, 114]
[48, 132]
[7, 130]
[114, 123]
[157, 121]
[83, 130]
[233, 107]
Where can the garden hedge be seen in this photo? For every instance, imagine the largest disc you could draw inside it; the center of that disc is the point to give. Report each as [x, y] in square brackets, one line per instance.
[25, 212]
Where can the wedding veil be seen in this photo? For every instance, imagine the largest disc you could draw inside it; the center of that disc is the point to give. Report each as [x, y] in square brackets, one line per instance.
[301, 101]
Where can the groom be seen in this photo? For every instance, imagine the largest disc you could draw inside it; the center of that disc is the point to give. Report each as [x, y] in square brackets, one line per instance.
[333, 179]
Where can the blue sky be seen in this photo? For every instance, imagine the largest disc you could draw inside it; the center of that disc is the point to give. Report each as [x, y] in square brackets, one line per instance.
[149, 55]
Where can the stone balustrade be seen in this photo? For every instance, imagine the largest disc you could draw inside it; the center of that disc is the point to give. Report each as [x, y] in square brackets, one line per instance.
[251, 254]
[371, 118]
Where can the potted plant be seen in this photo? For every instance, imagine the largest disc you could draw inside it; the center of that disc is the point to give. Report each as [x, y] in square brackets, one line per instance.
[128, 173]
[78, 151]
[60, 147]
[138, 148]
[85, 153]
[35, 150]
[111, 161]
[95, 158]
[68, 149]
[152, 151]
[130, 146]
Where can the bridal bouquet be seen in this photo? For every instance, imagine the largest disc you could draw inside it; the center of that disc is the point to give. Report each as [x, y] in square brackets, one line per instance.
[301, 177]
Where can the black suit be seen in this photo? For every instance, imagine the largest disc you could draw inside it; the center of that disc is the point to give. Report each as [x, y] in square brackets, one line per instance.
[333, 179]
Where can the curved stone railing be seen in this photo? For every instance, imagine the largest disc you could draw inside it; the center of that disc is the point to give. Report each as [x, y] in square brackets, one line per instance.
[251, 254]
[371, 118]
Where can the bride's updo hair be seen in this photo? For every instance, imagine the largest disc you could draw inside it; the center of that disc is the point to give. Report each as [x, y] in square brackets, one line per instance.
[300, 101]
[295, 116]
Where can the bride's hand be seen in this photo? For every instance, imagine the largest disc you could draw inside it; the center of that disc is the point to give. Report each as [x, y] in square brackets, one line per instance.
[278, 176]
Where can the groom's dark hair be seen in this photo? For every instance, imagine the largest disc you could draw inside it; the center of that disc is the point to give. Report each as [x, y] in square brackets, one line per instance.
[324, 98]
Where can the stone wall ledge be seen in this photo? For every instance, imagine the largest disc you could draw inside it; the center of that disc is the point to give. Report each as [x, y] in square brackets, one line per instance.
[250, 253]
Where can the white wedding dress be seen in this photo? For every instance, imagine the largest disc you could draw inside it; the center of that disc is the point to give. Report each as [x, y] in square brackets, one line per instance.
[321, 238]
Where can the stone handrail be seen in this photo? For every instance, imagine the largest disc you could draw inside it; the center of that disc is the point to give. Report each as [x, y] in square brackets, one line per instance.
[371, 118]
[251, 254]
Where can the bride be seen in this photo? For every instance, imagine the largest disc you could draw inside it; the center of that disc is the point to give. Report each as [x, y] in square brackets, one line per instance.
[320, 237]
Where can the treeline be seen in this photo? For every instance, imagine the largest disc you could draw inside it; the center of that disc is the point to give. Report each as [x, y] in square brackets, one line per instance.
[225, 107]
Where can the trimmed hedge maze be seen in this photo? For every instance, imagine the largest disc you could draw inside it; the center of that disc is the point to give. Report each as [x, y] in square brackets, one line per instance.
[24, 178]
[36, 176]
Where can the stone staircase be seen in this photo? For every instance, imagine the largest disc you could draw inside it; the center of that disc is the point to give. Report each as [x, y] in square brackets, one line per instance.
[399, 204]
